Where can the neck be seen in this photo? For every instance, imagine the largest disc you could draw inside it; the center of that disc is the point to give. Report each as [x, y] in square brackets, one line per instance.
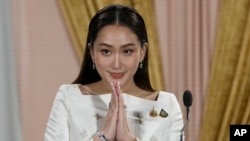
[129, 88]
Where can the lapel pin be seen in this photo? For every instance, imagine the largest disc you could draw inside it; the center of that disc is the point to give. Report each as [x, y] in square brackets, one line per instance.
[163, 113]
[153, 112]
[139, 117]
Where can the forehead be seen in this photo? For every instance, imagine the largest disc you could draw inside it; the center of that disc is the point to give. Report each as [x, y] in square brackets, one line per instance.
[116, 34]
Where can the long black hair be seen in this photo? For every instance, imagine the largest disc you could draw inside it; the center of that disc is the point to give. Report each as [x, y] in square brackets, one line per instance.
[112, 15]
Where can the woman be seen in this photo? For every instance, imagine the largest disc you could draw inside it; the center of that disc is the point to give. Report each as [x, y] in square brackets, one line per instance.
[112, 98]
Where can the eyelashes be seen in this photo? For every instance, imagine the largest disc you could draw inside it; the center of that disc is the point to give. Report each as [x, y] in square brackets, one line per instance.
[125, 52]
[106, 52]
[128, 52]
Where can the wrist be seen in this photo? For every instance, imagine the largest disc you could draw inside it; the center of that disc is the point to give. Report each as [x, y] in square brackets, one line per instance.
[101, 136]
[96, 138]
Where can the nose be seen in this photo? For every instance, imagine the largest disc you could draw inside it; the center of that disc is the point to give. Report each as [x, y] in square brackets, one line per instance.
[117, 61]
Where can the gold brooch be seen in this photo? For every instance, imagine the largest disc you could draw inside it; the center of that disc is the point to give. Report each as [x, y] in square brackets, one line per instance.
[153, 112]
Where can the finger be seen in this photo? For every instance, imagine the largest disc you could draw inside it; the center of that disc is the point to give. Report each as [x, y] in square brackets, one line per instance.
[119, 95]
[111, 103]
[114, 99]
[122, 107]
[109, 128]
[112, 112]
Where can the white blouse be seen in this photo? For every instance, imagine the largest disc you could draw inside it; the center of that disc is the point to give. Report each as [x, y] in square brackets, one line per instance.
[77, 117]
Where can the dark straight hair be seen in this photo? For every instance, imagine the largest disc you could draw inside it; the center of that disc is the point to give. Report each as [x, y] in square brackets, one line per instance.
[115, 14]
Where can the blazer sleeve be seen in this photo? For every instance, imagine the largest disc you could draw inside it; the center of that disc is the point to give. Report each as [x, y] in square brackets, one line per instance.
[57, 126]
[176, 124]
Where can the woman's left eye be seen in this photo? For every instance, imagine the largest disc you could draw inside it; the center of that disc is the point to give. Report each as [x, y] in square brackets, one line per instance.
[128, 52]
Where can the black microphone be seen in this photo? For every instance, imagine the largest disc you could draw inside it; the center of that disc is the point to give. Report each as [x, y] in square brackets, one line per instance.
[187, 99]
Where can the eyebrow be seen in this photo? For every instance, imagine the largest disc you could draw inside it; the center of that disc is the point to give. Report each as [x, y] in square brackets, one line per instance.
[123, 46]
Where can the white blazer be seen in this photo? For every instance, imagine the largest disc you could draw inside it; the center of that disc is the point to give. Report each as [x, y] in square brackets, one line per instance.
[77, 117]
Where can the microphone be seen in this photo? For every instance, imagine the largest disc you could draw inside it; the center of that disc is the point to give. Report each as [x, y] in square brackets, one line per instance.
[187, 100]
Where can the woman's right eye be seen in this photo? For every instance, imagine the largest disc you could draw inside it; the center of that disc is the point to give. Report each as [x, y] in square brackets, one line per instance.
[105, 52]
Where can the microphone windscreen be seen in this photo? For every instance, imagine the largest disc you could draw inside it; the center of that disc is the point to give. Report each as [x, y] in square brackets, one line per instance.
[187, 98]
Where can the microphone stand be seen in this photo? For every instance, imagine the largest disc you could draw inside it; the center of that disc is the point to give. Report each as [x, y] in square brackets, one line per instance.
[185, 124]
[182, 130]
[187, 99]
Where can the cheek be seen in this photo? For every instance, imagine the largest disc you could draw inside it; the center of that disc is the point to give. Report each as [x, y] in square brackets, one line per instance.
[101, 62]
[132, 62]
[101, 66]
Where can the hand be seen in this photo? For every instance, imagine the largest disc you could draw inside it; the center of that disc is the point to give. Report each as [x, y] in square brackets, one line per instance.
[110, 125]
[122, 129]
[116, 126]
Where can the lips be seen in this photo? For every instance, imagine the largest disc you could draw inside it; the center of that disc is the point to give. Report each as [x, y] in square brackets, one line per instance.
[116, 75]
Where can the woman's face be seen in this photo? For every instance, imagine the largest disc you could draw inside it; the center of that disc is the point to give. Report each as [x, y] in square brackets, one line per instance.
[117, 53]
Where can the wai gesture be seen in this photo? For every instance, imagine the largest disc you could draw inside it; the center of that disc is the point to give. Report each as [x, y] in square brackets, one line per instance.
[116, 126]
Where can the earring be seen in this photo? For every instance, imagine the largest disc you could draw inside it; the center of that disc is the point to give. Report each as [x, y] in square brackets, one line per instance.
[93, 66]
[141, 65]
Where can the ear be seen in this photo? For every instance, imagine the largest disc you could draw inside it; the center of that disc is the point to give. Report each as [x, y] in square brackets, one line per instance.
[143, 51]
[91, 51]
